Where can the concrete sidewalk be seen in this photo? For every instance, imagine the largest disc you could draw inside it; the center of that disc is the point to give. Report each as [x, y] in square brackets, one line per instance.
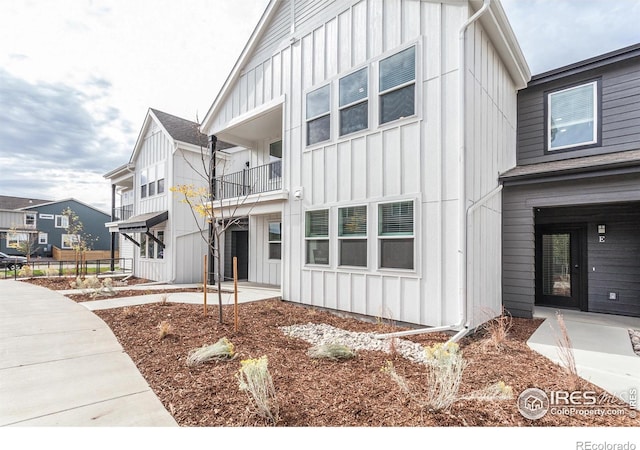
[601, 346]
[60, 365]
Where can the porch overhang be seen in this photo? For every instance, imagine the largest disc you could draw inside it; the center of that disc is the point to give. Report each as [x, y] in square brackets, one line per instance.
[263, 122]
[140, 223]
[255, 204]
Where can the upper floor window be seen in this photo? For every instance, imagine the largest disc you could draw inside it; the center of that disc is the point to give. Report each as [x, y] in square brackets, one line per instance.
[572, 117]
[397, 85]
[354, 104]
[143, 184]
[319, 115]
[30, 219]
[62, 221]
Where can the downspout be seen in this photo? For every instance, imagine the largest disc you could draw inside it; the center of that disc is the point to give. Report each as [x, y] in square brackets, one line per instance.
[464, 211]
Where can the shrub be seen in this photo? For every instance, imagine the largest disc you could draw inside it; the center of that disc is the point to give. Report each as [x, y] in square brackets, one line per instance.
[335, 352]
[221, 350]
[164, 329]
[50, 272]
[498, 329]
[25, 271]
[254, 378]
[445, 366]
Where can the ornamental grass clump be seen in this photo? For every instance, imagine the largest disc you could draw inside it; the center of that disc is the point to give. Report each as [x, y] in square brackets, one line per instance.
[221, 350]
[334, 352]
[254, 379]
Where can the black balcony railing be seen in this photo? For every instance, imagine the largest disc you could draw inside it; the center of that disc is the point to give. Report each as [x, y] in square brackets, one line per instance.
[249, 181]
[122, 212]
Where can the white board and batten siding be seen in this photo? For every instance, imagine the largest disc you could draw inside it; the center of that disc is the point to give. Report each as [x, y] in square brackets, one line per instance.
[415, 158]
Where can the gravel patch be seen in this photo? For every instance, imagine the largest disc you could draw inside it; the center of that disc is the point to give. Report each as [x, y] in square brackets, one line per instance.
[318, 334]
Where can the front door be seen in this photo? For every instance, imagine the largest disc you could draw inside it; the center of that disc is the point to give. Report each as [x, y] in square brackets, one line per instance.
[240, 248]
[561, 266]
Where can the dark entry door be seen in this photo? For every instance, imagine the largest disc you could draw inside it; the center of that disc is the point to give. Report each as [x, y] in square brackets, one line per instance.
[240, 248]
[561, 266]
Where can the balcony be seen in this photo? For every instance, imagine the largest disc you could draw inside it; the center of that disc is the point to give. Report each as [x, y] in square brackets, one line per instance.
[122, 213]
[257, 180]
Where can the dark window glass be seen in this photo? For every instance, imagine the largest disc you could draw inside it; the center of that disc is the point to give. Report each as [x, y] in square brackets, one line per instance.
[396, 253]
[397, 104]
[353, 252]
[318, 130]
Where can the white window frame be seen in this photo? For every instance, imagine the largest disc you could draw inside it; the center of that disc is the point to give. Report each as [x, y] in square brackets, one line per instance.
[596, 115]
[158, 248]
[68, 239]
[30, 217]
[346, 106]
[43, 238]
[382, 93]
[14, 239]
[270, 241]
[143, 184]
[47, 216]
[61, 221]
[353, 237]
[390, 237]
[323, 238]
[327, 113]
[143, 245]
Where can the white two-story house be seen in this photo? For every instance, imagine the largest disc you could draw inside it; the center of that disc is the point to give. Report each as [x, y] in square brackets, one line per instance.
[376, 132]
[158, 234]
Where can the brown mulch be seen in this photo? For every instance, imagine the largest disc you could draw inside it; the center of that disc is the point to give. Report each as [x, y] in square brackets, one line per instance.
[64, 283]
[314, 392]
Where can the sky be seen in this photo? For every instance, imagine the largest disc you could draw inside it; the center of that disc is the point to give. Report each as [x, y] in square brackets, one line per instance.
[78, 76]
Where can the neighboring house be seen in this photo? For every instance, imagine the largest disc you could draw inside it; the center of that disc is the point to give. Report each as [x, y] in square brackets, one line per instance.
[46, 218]
[571, 207]
[376, 133]
[154, 228]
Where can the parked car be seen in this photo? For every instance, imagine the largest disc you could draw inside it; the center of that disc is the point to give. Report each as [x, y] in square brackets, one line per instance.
[10, 261]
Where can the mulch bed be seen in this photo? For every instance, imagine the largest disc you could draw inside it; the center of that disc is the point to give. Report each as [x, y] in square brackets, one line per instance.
[318, 393]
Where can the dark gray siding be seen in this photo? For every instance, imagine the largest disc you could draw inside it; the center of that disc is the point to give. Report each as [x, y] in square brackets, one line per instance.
[620, 113]
[612, 201]
[92, 220]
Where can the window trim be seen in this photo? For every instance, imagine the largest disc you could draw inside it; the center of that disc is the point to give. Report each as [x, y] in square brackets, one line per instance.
[64, 221]
[328, 114]
[62, 240]
[43, 238]
[366, 69]
[269, 241]
[414, 82]
[597, 117]
[326, 238]
[382, 237]
[16, 237]
[33, 217]
[348, 237]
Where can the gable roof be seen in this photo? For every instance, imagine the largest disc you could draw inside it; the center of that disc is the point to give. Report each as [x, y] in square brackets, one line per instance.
[496, 25]
[181, 129]
[13, 203]
[70, 199]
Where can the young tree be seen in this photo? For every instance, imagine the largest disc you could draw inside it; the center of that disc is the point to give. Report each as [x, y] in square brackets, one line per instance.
[79, 241]
[207, 202]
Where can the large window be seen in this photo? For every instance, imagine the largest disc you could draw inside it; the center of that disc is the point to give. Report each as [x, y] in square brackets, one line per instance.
[397, 85]
[396, 235]
[15, 240]
[354, 104]
[572, 117]
[62, 221]
[275, 160]
[159, 248]
[143, 183]
[275, 240]
[143, 245]
[352, 236]
[319, 115]
[30, 219]
[317, 236]
[69, 241]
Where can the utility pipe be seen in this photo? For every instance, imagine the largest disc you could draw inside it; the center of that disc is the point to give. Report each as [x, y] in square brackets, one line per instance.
[462, 238]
